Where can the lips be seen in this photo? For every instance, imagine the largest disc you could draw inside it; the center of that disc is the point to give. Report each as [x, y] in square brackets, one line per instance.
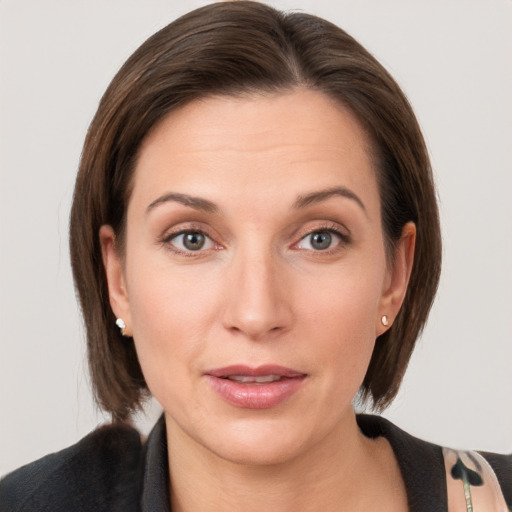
[255, 388]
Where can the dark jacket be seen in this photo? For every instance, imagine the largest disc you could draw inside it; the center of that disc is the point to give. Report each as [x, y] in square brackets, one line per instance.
[112, 470]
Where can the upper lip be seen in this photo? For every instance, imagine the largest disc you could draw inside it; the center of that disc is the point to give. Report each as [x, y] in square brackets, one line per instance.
[259, 371]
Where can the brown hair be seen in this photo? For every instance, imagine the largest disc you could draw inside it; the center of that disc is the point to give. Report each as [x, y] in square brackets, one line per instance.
[232, 48]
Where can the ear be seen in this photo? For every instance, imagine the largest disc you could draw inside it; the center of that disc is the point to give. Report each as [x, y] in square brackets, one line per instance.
[117, 290]
[397, 278]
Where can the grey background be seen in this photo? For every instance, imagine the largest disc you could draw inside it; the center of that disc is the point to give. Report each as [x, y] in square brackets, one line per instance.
[453, 59]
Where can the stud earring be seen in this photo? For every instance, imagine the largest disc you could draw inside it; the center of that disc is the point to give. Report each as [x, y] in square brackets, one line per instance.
[384, 320]
[122, 326]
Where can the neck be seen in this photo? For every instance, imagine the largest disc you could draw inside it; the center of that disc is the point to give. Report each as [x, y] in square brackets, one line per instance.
[345, 471]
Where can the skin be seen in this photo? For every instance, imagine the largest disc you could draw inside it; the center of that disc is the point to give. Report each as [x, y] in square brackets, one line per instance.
[260, 292]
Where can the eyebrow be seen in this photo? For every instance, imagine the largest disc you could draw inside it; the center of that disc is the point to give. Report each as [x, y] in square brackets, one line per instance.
[322, 195]
[197, 203]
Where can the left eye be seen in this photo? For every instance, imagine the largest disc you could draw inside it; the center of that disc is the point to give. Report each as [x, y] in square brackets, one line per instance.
[319, 240]
[191, 241]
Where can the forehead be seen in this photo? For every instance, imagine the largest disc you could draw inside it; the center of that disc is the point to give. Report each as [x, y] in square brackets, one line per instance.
[262, 142]
[250, 121]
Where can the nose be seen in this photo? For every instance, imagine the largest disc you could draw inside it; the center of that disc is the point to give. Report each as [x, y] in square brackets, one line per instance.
[257, 302]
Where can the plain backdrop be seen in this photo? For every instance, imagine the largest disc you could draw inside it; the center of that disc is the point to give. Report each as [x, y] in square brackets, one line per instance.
[453, 59]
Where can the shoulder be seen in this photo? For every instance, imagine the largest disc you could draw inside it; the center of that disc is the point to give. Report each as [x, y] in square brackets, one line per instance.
[427, 468]
[502, 467]
[107, 461]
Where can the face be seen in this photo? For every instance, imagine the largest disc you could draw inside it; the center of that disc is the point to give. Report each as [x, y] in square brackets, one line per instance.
[254, 277]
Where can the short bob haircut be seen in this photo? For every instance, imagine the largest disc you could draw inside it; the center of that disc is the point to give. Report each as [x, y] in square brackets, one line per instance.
[240, 48]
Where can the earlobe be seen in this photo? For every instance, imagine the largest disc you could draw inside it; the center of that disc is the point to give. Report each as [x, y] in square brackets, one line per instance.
[116, 281]
[397, 279]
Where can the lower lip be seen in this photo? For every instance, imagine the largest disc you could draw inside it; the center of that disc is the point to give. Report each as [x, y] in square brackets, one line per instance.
[255, 396]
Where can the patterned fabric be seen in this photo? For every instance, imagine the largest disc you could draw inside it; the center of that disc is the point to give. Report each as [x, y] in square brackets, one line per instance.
[472, 484]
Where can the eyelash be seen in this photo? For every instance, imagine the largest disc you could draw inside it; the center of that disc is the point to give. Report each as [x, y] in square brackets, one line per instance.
[169, 237]
[331, 228]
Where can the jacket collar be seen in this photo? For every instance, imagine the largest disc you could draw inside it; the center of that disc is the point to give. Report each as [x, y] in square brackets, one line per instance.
[155, 486]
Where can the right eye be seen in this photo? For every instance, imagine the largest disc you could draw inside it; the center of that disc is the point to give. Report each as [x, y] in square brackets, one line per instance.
[191, 241]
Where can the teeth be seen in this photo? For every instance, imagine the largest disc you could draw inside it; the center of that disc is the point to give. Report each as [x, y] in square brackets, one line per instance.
[248, 379]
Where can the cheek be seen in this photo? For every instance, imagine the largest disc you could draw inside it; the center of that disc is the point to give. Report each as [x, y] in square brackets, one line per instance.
[165, 299]
[337, 314]
[343, 327]
[346, 297]
[172, 313]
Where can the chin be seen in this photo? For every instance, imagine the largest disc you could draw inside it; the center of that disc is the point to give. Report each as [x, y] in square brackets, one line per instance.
[259, 449]
[258, 441]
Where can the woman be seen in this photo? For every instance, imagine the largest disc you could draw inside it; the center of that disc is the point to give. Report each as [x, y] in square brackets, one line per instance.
[255, 240]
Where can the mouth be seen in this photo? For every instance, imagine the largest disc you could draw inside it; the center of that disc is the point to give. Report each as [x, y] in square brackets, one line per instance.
[247, 379]
[255, 388]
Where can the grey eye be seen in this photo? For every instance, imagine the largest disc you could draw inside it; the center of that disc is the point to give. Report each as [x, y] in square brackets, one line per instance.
[320, 240]
[193, 241]
[190, 241]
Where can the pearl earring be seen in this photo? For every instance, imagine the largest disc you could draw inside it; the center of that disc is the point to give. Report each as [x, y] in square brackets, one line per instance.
[384, 320]
[122, 326]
